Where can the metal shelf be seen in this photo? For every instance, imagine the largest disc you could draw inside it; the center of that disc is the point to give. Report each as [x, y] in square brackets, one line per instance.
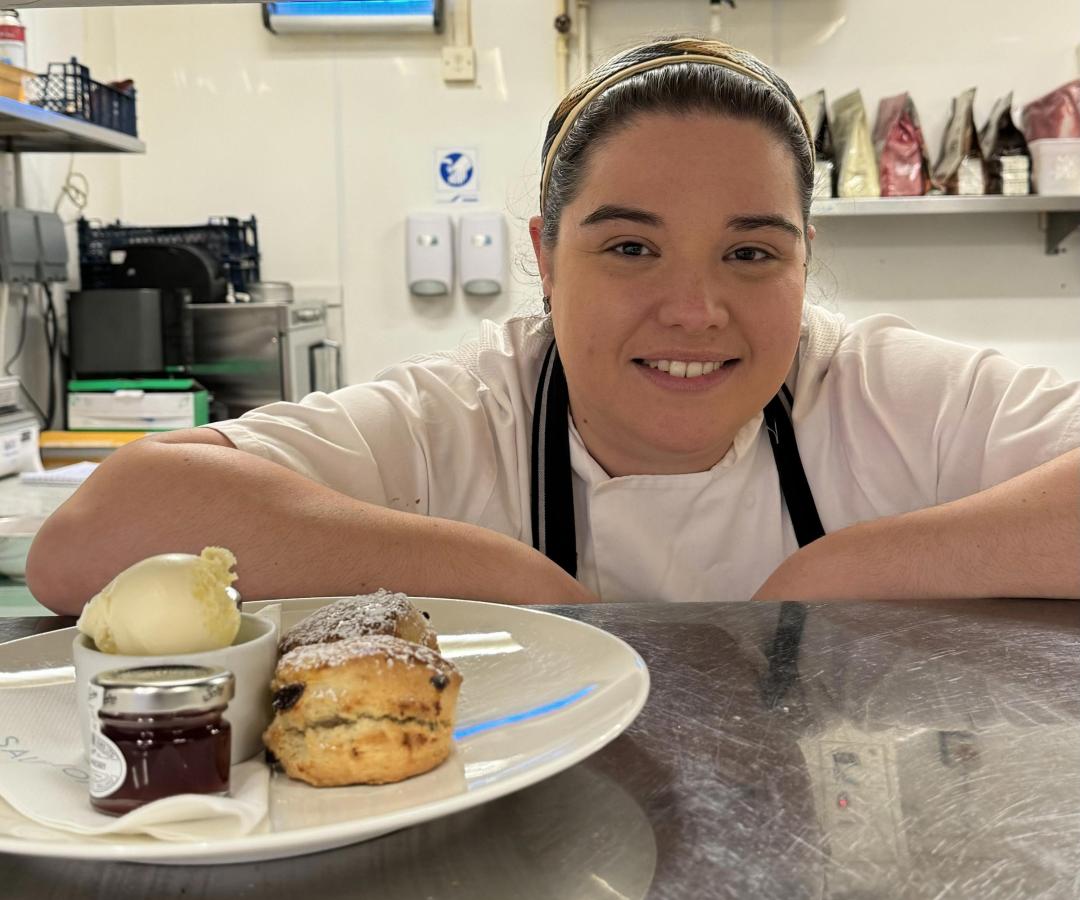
[31, 129]
[1058, 216]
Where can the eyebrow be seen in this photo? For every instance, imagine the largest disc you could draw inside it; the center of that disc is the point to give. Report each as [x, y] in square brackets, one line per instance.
[750, 223]
[608, 212]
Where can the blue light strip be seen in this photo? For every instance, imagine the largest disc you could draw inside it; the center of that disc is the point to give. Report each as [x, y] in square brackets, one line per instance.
[353, 8]
[533, 713]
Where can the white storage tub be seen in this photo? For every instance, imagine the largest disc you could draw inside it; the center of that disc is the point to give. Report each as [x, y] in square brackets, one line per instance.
[1055, 166]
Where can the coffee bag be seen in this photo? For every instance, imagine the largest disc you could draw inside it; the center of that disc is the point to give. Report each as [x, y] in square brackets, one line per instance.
[1008, 162]
[959, 169]
[817, 114]
[857, 173]
[903, 166]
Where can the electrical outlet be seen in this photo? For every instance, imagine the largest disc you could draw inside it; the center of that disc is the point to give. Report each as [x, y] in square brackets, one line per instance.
[458, 64]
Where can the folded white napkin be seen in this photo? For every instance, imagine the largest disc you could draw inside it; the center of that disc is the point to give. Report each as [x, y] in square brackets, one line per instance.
[44, 778]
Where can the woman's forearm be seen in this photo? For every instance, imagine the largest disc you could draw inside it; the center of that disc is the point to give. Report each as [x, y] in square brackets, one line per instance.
[291, 536]
[1020, 538]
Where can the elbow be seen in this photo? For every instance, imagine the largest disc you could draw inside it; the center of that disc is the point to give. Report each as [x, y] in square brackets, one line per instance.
[111, 522]
[47, 577]
[61, 564]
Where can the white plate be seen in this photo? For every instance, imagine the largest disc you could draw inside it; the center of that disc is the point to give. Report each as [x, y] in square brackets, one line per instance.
[541, 693]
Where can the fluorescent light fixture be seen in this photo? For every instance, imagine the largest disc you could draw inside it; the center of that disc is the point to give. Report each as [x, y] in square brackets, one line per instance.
[387, 16]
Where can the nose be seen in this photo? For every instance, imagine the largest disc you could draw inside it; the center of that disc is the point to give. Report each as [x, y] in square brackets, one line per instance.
[694, 303]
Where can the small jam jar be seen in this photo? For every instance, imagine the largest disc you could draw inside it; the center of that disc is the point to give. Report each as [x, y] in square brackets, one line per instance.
[157, 731]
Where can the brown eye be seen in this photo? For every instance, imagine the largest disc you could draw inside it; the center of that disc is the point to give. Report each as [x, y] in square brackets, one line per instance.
[750, 254]
[631, 248]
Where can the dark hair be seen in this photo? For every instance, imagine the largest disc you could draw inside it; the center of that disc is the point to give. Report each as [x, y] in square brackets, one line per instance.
[676, 88]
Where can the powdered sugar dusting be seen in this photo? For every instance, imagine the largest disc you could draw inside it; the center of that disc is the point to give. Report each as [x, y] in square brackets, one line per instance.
[378, 613]
[392, 649]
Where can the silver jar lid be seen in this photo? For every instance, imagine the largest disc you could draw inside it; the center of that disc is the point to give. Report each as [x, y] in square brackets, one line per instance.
[149, 690]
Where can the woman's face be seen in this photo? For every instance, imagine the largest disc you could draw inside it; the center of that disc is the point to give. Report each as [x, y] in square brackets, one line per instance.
[676, 289]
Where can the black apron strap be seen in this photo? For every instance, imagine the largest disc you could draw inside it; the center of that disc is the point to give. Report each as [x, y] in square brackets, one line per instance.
[553, 530]
[793, 483]
[783, 655]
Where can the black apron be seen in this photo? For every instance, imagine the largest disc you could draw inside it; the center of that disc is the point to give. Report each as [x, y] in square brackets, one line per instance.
[553, 527]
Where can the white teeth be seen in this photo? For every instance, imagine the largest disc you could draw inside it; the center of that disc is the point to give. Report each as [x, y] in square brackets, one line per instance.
[681, 369]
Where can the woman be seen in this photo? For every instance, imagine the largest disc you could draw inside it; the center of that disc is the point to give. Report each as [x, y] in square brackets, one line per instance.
[691, 426]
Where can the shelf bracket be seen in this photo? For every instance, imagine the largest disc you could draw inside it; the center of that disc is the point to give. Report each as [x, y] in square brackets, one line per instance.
[1057, 226]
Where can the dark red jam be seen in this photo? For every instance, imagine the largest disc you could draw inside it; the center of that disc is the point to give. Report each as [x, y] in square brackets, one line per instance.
[158, 731]
[175, 753]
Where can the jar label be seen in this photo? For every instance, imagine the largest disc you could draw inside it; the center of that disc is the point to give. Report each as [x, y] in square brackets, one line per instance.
[108, 768]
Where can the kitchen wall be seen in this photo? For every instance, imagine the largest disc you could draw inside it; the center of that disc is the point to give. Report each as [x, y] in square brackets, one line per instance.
[330, 141]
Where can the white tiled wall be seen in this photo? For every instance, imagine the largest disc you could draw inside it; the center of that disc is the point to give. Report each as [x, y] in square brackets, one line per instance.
[330, 141]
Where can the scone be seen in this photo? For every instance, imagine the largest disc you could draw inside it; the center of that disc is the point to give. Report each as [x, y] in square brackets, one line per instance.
[378, 613]
[365, 710]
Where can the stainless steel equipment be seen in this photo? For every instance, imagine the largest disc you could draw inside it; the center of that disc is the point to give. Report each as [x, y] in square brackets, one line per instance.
[268, 291]
[250, 354]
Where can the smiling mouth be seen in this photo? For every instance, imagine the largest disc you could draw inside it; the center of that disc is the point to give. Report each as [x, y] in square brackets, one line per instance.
[682, 369]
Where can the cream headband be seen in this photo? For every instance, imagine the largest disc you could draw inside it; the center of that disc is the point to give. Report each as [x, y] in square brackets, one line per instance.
[622, 74]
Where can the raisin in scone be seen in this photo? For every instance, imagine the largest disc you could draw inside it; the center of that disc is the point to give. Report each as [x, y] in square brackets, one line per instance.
[378, 613]
[365, 710]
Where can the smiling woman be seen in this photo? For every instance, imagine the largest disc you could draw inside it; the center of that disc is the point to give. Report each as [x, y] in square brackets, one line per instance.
[700, 264]
[679, 425]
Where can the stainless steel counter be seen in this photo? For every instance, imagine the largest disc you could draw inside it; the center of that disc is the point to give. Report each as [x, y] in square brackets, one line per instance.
[889, 750]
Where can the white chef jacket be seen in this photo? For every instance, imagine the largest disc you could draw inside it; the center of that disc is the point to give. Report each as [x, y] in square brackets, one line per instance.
[887, 420]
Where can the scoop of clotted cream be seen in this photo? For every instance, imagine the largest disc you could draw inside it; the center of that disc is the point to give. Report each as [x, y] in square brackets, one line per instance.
[172, 603]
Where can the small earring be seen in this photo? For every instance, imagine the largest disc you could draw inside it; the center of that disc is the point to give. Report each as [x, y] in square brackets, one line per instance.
[547, 305]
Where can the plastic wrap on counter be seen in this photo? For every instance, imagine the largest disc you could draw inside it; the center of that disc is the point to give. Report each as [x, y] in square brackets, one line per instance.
[959, 169]
[816, 111]
[857, 172]
[1008, 162]
[1055, 115]
[903, 165]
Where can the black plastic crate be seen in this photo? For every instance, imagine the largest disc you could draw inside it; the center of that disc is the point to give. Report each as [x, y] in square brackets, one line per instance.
[112, 108]
[232, 242]
[68, 89]
[64, 89]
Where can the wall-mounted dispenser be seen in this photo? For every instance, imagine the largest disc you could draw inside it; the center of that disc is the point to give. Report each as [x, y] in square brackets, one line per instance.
[18, 245]
[52, 248]
[482, 252]
[429, 254]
